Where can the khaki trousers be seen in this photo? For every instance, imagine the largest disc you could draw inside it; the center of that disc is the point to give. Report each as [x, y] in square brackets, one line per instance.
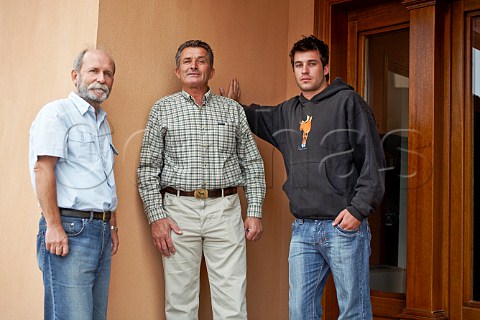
[212, 227]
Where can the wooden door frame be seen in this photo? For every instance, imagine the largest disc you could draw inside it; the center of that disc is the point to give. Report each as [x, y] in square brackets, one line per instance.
[460, 297]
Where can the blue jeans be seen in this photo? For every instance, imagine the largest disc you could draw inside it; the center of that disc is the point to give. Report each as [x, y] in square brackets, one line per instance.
[318, 249]
[76, 286]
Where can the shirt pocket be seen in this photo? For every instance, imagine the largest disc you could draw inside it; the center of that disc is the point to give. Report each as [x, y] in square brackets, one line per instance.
[225, 137]
[81, 147]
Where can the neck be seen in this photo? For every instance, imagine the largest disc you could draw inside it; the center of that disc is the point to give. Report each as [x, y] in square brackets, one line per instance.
[310, 94]
[94, 104]
[197, 93]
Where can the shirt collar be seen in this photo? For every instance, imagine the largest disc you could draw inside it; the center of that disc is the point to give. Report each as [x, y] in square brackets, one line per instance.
[205, 97]
[83, 106]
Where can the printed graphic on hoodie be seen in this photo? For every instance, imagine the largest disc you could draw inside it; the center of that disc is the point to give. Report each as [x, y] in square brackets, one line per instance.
[305, 126]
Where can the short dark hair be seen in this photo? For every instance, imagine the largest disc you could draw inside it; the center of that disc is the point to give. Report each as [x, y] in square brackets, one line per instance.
[311, 43]
[194, 44]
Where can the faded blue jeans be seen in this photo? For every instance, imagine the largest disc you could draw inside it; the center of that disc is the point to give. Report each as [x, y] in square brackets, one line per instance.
[318, 249]
[76, 286]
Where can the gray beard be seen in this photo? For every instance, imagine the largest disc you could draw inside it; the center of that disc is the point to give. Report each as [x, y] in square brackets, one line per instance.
[86, 92]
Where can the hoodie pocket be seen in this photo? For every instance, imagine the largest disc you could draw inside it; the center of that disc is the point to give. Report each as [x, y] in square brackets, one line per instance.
[332, 198]
[298, 175]
[327, 180]
[312, 193]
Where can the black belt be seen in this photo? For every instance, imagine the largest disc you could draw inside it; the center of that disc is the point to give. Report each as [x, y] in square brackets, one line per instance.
[202, 193]
[104, 216]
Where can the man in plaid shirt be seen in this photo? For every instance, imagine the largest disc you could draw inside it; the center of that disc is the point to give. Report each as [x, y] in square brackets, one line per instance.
[197, 149]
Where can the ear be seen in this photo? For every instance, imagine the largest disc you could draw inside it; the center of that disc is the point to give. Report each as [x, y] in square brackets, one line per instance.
[177, 73]
[326, 70]
[212, 73]
[74, 75]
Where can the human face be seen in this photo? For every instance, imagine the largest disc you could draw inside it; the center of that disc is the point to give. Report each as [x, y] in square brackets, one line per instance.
[309, 72]
[95, 79]
[194, 69]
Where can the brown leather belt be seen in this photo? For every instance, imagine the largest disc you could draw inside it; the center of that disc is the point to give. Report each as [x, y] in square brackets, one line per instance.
[202, 193]
[104, 216]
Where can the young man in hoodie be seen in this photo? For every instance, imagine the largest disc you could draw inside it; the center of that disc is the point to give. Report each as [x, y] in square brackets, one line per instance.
[334, 159]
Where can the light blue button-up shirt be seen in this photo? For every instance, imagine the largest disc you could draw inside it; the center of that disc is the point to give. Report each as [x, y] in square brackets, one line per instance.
[70, 130]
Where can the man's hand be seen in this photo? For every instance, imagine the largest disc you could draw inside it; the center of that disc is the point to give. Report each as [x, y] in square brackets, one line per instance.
[233, 90]
[346, 221]
[56, 240]
[253, 228]
[114, 233]
[161, 230]
[115, 241]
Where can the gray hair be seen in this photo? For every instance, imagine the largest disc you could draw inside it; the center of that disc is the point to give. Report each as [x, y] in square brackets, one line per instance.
[194, 44]
[77, 64]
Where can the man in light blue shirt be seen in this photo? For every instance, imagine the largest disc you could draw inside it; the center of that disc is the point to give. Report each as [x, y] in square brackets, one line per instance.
[71, 166]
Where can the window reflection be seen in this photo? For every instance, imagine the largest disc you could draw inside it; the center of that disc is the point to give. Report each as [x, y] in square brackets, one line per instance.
[386, 90]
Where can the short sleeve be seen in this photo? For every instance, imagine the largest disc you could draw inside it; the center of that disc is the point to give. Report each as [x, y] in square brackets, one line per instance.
[48, 134]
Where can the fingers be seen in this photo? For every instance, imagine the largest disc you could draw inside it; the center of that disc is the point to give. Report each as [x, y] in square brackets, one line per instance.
[346, 221]
[114, 248]
[253, 228]
[115, 242]
[236, 84]
[56, 242]
[59, 250]
[161, 234]
[234, 89]
[176, 229]
[253, 234]
[165, 246]
[339, 218]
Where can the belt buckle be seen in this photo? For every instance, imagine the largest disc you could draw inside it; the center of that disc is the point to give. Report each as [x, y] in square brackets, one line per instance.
[200, 194]
[104, 216]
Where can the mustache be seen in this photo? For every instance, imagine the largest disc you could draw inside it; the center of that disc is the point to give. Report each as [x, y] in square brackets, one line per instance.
[100, 86]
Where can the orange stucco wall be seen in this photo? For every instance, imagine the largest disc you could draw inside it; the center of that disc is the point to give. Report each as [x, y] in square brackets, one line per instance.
[39, 40]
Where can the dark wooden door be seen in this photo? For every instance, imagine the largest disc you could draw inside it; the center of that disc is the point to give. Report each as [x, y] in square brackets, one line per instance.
[369, 44]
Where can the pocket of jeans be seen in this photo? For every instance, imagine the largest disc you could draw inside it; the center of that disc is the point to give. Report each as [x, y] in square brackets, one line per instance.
[350, 233]
[294, 224]
[41, 248]
[73, 227]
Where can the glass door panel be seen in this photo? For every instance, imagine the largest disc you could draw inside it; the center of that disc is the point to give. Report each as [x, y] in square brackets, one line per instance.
[386, 86]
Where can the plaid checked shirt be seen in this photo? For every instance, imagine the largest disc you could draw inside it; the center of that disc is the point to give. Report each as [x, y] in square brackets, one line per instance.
[187, 147]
